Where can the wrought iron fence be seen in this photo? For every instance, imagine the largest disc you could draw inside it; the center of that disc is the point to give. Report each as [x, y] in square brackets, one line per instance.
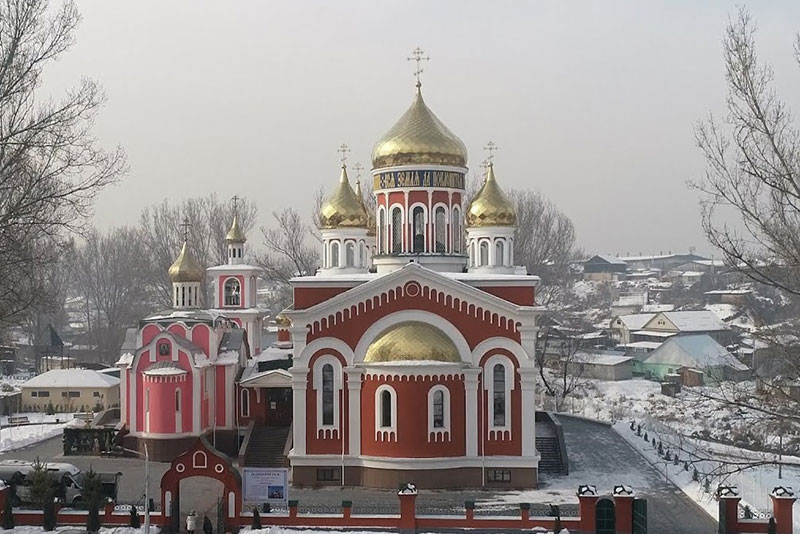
[440, 510]
[375, 509]
[329, 509]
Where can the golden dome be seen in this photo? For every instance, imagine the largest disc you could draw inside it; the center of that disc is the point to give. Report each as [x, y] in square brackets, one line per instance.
[412, 340]
[282, 320]
[491, 207]
[185, 269]
[419, 137]
[370, 216]
[343, 209]
[235, 234]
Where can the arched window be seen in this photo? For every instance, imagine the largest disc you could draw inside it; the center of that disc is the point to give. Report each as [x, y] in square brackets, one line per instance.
[418, 218]
[362, 254]
[334, 254]
[386, 409]
[498, 258]
[456, 230]
[499, 400]
[441, 230]
[178, 414]
[325, 258]
[382, 231]
[232, 292]
[178, 400]
[438, 409]
[350, 254]
[484, 259]
[245, 403]
[397, 231]
[327, 394]
[473, 257]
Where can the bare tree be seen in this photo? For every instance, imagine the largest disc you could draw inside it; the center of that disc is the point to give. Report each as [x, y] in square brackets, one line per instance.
[111, 274]
[287, 254]
[559, 363]
[209, 220]
[51, 167]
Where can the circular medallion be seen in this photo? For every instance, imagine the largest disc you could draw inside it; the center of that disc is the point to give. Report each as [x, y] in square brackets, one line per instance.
[412, 289]
[218, 468]
[180, 468]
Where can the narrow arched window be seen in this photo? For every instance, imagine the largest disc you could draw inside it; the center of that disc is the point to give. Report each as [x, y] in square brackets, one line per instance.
[441, 230]
[350, 254]
[484, 259]
[473, 257]
[499, 251]
[362, 254]
[327, 394]
[334, 254]
[397, 231]
[232, 292]
[245, 403]
[499, 401]
[438, 409]
[456, 229]
[382, 232]
[386, 409]
[177, 400]
[418, 218]
[325, 252]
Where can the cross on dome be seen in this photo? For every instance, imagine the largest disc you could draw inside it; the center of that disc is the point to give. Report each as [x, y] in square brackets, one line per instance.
[358, 167]
[418, 55]
[344, 149]
[185, 224]
[235, 200]
[491, 148]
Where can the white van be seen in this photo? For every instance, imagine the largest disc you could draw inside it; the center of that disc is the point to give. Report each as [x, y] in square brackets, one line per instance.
[69, 477]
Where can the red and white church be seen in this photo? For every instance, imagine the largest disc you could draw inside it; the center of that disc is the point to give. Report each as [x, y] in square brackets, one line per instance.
[408, 356]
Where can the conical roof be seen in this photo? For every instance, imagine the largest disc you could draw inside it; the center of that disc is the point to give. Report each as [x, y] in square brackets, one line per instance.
[491, 207]
[185, 268]
[343, 209]
[419, 137]
[235, 234]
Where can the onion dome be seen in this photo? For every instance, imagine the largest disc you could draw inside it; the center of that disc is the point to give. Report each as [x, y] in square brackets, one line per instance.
[235, 234]
[419, 137]
[491, 207]
[185, 268]
[282, 320]
[412, 341]
[370, 216]
[343, 209]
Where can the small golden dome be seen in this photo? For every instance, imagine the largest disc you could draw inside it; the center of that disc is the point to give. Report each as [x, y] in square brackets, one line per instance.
[185, 268]
[491, 207]
[235, 234]
[343, 209]
[282, 320]
[412, 341]
[419, 137]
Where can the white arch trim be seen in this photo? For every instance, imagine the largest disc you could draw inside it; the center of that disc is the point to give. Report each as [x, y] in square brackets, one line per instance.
[324, 343]
[501, 343]
[488, 385]
[412, 315]
[442, 433]
[337, 389]
[385, 433]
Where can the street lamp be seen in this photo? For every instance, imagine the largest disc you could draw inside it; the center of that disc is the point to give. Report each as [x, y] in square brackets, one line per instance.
[146, 457]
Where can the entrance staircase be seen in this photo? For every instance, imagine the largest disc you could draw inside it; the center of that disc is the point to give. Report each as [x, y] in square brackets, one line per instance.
[266, 447]
[548, 443]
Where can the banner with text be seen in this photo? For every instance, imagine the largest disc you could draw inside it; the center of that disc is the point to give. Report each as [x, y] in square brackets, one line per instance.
[394, 179]
[270, 485]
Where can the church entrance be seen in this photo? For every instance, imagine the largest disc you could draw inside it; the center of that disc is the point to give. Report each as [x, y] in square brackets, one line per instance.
[279, 407]
[605, 518]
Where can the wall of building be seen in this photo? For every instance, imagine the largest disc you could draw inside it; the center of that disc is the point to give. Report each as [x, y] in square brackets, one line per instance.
[85, 398]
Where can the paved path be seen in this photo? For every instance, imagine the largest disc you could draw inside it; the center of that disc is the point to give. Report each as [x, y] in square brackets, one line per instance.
[598, 455]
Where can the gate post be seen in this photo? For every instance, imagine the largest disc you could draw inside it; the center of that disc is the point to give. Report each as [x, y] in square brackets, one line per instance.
[408, 509]
[587, 499]
[728, 509]
[623, 503]
[782, 502]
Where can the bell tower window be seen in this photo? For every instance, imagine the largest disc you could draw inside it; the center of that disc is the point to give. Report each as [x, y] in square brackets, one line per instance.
[499, 252]
[441, 231]
[397, 231]
[418, 218]
[456, 229]
[350, 254]
[233, 292]
[382, 231]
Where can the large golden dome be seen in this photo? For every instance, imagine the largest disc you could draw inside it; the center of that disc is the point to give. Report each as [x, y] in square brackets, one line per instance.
[419, 137]
[491, 207]
[185, 268]
[412, 341]
[343, 209]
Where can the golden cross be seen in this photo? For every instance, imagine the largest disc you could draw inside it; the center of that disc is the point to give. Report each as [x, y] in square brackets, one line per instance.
[358, 167]
[344, 149]
[418, 55]
[186, 225]
[484, 165]
[235, 199]
[490, 148]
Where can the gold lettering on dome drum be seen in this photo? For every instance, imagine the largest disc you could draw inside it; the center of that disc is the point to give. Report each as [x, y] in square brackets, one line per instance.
[400, 179]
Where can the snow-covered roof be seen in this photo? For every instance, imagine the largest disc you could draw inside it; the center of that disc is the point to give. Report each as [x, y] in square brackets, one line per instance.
[695, 321]
[655, 308]
[646, 345]
[608, 259]
[654, 333]
[698, 351]
[636, 320]
[729, 292]
[72, 378]
[602, 358]
[165, 368]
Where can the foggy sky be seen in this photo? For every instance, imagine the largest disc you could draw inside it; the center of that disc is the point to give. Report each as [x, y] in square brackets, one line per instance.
[591, 103]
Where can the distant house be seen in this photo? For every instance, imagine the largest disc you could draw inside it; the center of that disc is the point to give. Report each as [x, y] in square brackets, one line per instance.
[667, 324]
[604, 268]
[728, 296]
[601, 365]
[699, 352]
[629, 303]
[662, 262]
[706, 266]
[623, 325]
[70, 390]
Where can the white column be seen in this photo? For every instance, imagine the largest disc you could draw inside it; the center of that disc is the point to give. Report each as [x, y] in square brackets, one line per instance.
[471, 408]
[196, 397]
[527, 381]
[123, 394]
[299, 415]
[299, 336]
[354, 410]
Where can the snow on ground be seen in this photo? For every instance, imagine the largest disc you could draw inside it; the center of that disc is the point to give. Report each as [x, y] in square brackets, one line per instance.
[281, 530]
[73, 528]
[16, 437]
[39, 417]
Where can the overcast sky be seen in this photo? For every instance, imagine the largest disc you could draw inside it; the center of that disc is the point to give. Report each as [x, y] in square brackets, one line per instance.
[591, 103]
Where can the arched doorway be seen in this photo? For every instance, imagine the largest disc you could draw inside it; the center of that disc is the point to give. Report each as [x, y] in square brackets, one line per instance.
[605, 517]
[201, 460]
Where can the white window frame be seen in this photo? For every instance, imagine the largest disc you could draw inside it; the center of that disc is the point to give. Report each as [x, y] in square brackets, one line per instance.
[425, 223]
[390, 231]
[337, 392]
[234, 282]
[488, 384]
[381, 230]
[500, 252]
[443, 433]
[350, 245]
[385, 433]
[446, 224]
[456, 241]
[335, 245]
